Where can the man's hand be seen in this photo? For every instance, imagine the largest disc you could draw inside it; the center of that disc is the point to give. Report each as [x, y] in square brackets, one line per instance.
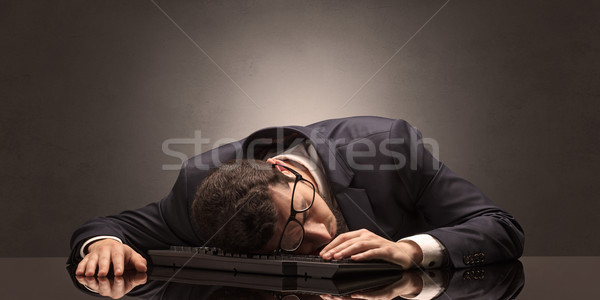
[364, 245]
[104, 252]
[116, 287]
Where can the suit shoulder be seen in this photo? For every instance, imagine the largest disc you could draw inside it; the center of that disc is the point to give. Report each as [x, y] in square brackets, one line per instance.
[357, 127]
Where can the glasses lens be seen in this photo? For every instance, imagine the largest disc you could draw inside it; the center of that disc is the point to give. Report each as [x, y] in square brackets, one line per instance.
[292, 236]
[302, 203]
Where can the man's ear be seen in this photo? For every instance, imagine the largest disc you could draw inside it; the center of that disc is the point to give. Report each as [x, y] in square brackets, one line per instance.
[285, 171]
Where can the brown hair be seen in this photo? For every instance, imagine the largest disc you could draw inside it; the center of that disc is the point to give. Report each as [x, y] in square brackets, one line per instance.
[233, 207]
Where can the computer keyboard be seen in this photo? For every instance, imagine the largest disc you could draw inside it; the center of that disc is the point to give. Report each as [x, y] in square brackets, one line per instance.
[277, 264]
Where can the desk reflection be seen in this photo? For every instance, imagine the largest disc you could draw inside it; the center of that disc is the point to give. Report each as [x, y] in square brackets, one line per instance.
[499, 281]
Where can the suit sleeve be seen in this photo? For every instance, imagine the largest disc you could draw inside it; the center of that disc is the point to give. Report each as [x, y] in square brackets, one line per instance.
[470, 226]
[156, 226]
[161, 224]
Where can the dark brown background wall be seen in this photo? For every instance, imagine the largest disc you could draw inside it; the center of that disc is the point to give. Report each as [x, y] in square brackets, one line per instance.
[91, 90]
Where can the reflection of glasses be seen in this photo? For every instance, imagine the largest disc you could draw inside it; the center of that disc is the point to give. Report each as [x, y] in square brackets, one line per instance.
[293, 231]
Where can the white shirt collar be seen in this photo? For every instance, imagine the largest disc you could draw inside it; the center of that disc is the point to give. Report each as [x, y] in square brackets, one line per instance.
[306, 155]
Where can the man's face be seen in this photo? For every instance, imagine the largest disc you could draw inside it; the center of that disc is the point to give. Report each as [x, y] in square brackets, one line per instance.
[320, 224]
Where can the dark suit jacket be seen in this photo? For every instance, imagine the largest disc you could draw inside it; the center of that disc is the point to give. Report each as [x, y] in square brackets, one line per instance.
[380, 173]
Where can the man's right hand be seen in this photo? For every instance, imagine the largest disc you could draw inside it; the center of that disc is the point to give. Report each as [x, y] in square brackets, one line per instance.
[101, 254]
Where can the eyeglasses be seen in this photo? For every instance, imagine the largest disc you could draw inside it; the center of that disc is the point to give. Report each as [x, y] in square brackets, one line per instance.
[293, 231]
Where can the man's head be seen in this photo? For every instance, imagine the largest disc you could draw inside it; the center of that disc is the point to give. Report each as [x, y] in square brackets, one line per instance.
[252, 199]
[233, 207]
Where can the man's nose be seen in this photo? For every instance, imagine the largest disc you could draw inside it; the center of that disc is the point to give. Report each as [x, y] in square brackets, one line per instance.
[316, 234]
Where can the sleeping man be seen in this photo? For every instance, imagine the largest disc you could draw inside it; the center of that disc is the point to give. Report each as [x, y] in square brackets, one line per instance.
[360, 187]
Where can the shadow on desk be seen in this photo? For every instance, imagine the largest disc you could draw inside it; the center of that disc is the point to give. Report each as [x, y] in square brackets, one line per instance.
[498, 281]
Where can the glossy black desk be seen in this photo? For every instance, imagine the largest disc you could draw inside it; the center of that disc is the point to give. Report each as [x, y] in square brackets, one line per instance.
[545, 278]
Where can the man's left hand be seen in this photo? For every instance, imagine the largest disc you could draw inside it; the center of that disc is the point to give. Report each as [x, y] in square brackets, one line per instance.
[365, 245]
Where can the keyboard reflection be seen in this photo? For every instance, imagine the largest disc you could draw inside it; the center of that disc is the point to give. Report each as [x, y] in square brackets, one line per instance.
[499, 281]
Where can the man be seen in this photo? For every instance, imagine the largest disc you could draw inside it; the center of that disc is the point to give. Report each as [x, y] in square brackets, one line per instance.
[361, 187]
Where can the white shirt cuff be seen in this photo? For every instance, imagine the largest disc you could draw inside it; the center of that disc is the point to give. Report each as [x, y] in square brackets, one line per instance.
[433, 250]
[433, 285]
[100, 237]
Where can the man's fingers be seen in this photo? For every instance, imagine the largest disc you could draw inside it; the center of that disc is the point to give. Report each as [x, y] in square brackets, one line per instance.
[341, 250]
[359, 249]
[118, 261]
[81, 267]
[385, 253]
[375, 253]
[107, 252]
[341, 239]
[360, 241]
[363, 245]
[358, 246]
[103, 263]
[92, 263]
[139, 262]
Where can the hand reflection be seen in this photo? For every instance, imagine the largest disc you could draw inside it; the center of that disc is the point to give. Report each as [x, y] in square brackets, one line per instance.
[409, 285]
[115, 287]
